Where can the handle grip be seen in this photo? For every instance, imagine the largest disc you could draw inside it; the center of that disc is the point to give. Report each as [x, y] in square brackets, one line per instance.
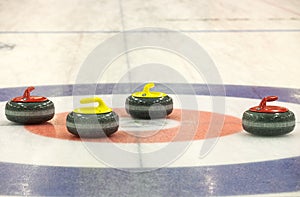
[27, 92]
[264, 101]
[101, 108]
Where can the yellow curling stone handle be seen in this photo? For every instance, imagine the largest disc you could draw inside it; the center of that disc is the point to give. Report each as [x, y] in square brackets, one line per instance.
[147, 94]
[100, 109]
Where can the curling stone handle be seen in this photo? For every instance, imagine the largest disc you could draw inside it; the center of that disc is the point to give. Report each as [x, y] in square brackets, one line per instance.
[147, 88]
[101, 104]
[264, 101]
[26, 94]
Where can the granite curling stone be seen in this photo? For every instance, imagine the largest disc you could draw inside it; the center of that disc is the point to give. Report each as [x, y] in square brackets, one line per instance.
[29, 109]
[266, 120]
[92, 122]
[149, 105]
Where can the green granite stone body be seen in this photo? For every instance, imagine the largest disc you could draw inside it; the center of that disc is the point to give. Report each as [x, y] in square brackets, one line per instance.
[268, 124]
[149, 108]
[29, 113]
[92, 125]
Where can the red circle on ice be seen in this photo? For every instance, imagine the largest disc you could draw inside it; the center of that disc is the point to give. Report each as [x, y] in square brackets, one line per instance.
[56, 128]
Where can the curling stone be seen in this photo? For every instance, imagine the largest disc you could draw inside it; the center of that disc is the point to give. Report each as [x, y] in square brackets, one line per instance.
[266, 120]
[149, 105]
[29, 109]
[92, 122]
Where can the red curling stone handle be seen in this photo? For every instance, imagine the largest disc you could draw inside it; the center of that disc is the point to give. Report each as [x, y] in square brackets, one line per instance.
[263, 108]
[264, 101]
[26, 94]
[27, 98]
